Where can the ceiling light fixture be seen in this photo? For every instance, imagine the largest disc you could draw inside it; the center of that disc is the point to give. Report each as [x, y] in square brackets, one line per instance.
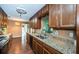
[21, 11]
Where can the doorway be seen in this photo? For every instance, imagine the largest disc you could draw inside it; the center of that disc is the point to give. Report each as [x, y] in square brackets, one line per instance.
[24, 30]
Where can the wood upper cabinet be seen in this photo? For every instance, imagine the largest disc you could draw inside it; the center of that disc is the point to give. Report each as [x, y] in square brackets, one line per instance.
[39, 13]
[61, 16]
[35, 23]
[45, 10]
[54, 15]
[68, 14]
[3, 18]
[77, 29]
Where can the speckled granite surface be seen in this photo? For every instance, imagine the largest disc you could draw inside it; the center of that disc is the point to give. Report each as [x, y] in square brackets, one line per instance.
[64, 47]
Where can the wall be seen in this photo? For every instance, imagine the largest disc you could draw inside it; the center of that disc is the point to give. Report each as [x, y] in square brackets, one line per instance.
[45, 26]
[14, 29]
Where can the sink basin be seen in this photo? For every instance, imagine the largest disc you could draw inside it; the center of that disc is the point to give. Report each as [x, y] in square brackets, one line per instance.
[42, 37]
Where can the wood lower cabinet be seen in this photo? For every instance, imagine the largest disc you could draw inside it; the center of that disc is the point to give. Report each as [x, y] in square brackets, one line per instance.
[77, 49]
[28, 38]
[45, 51]
[37, 47]
[77, 29]
[40, 47]
[34, 46]
[5, 20]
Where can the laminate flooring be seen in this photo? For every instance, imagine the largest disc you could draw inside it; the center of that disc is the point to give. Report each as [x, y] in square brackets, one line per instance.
[15, 47]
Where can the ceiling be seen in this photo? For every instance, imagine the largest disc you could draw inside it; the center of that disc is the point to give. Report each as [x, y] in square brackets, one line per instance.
[31, 9]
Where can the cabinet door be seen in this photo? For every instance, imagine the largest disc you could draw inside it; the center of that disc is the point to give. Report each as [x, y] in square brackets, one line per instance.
[37, 24]
[34, 47]
[45, 10]
[68, 15]
[5, 20]
[77, 31]
[53, 16]
[77, 49]
[46, 51]
[39, 13]
[39, 48]
[1, 18]
[28, 39]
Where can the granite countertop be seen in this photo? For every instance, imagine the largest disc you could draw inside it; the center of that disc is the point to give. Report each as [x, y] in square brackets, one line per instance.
[5, 40]
[63, 47]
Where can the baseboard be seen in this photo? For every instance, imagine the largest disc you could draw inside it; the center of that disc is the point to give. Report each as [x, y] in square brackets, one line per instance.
[17, 37]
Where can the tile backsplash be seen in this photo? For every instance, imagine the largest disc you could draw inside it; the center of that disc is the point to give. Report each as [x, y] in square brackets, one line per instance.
[66, 33]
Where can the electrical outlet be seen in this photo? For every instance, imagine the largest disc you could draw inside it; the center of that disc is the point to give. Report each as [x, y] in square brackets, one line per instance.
[70, 34]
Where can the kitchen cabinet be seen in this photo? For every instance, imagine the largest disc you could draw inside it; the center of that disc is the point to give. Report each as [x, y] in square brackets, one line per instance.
[45, 51]
[29, 40]
[39, 13]
[35, 20]
[77, 30]
[3, 18]
[77, 46]
[35, 23]
[62, 16]
[45, 10]
[68, 14]
[31, 23]
[40, 47]
[37, 47]
[34, 47]
[53, 15]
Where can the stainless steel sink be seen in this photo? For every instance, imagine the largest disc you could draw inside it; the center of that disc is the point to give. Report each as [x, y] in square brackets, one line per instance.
[42, 36]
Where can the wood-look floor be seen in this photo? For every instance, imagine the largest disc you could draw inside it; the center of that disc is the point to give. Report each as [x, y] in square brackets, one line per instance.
[15, 47]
